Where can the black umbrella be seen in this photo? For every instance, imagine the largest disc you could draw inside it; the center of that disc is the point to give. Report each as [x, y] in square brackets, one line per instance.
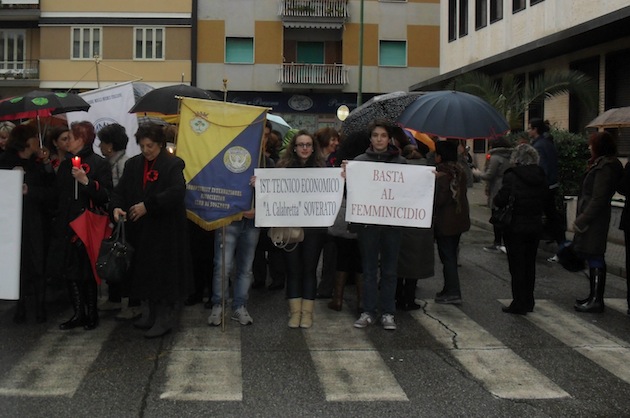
[163, 100]
[454, 114]
[385, 106]
[38, 103]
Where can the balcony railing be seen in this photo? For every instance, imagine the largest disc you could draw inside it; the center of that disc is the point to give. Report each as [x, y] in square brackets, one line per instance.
[314, 8]
[19, 70]
[313, 74]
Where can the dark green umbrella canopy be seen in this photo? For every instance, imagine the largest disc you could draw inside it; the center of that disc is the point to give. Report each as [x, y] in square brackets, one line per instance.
[40, 103]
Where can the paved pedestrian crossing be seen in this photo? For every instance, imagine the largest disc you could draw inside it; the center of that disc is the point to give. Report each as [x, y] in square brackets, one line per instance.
[204, 363]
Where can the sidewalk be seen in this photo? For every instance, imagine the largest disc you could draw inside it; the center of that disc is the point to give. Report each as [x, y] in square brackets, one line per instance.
[480, 214]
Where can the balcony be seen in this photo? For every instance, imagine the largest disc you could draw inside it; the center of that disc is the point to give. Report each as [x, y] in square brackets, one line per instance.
[328, 76]
[19, 72]
[20, 11]
[322, 14]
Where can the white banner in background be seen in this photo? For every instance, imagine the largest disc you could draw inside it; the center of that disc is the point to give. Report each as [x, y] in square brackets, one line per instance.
[110, 105]
[390, 194]
[298, 196]
[11, 227]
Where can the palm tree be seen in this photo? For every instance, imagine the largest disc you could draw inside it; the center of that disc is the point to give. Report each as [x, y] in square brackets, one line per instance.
[510, 96]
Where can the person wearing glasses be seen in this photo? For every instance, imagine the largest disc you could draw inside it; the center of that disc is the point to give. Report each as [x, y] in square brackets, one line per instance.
[301, 263]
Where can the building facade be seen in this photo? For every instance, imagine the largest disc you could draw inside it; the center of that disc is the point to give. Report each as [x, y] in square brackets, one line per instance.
[530, 37]
[302, 58]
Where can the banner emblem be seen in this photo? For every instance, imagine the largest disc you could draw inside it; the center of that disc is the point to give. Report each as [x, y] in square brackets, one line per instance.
[237, 159]
[199, 125]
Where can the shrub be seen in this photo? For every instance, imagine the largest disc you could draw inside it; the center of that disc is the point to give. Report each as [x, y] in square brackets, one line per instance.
[573, 155]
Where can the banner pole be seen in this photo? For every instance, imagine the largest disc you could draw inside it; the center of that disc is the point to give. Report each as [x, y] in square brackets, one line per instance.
[223, 278]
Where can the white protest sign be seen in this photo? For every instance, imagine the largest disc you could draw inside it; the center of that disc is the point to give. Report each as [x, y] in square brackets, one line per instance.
[11, 227]
[298, 196]
[390, 194]
[110, 105]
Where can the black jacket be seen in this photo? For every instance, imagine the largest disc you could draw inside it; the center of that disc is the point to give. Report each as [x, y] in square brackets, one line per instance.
[529, 185]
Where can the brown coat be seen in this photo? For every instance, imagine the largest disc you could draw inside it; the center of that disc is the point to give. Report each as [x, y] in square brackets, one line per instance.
[593, 208]
[448, 220]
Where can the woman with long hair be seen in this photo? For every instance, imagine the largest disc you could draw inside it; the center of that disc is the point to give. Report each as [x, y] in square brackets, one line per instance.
[602, 178]
[301, 263]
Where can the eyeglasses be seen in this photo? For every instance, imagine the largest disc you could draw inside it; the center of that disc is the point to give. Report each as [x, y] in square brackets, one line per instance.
[304, 145]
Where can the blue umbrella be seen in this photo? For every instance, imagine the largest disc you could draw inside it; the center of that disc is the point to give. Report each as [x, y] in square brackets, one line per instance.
[453, 114]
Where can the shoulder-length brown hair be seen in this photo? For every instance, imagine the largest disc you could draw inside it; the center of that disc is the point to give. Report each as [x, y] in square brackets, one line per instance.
[290, 158]
[602, 143]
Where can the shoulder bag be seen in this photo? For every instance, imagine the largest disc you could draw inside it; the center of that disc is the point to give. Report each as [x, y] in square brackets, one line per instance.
[114, 258]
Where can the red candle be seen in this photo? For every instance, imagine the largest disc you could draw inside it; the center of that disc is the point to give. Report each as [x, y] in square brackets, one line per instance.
[76, 162]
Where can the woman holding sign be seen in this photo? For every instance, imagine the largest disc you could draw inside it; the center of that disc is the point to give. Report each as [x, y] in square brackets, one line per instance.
[301, 263]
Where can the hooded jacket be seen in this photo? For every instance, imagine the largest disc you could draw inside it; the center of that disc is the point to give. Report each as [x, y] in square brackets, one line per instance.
[528, 184]
[493, 175]
[392, 155]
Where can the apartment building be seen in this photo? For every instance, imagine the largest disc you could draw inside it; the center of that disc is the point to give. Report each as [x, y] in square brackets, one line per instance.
[530, 37]
[302, 57]
[82, 45]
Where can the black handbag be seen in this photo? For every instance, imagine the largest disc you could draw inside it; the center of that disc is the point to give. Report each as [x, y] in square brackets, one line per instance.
[114, 258]
[502, 217]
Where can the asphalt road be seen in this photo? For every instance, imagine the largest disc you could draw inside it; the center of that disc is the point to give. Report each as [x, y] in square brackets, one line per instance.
[443, 361]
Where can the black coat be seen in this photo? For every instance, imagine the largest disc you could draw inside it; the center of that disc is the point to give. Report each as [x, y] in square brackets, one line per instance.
[161, 268]
[95, 195]
[39, 197]
[529, 186]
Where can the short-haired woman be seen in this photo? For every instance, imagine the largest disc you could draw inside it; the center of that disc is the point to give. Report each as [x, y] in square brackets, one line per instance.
[525, 183]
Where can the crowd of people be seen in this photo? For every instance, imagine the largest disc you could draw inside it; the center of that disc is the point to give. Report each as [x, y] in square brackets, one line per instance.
[66, 177]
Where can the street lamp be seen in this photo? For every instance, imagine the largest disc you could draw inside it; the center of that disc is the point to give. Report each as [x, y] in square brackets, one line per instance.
[342, 112]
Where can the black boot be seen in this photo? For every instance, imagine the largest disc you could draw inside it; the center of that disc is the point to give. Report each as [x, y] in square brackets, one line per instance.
[91, 298]
[76, 296]
[20, 312]
[40, 302]
[591, 293]
[337, 300]
[595, 304]
[163, 321]
[400, 293]
[410, 295]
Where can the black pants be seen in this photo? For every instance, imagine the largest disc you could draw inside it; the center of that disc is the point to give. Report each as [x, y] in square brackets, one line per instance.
[554, 221]
[521, 253]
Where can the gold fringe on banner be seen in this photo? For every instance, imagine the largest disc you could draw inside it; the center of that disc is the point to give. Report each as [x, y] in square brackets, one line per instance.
[211, 226]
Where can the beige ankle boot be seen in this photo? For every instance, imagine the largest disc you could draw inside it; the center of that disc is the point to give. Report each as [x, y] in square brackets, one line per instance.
[307, 313]
[295, 309]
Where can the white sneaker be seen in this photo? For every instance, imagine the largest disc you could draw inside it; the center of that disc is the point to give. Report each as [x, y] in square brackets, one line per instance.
[503, 249]
[129, 313]
[553, 259]
[388, 321]
[215, 315]
[364, 320]
[242, 316]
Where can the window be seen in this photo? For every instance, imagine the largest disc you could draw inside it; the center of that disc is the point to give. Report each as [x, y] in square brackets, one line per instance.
[239, 50]
[392, 54]
[86, 42]
[532, 2]
[452, 20]
[481, 13]
[496, 10]
[463, 18]
[518, 5]
[149, 43]
[12, 49]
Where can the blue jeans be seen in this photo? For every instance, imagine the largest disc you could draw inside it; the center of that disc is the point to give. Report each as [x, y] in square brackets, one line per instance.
[447, 250]
[383, 240]
[241, 238]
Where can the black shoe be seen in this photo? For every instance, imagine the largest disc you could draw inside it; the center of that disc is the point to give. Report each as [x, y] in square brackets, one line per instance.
[74, 322]
[513, 310]
[323, 296]
[413, 306]
[448, 299]
[276, 286]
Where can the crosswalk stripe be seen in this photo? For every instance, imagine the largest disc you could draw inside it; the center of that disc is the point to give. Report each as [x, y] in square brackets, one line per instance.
[597, 345]
[204, 363]
[347, 363]
[618, 304]
[503, 373]
[57, 364]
